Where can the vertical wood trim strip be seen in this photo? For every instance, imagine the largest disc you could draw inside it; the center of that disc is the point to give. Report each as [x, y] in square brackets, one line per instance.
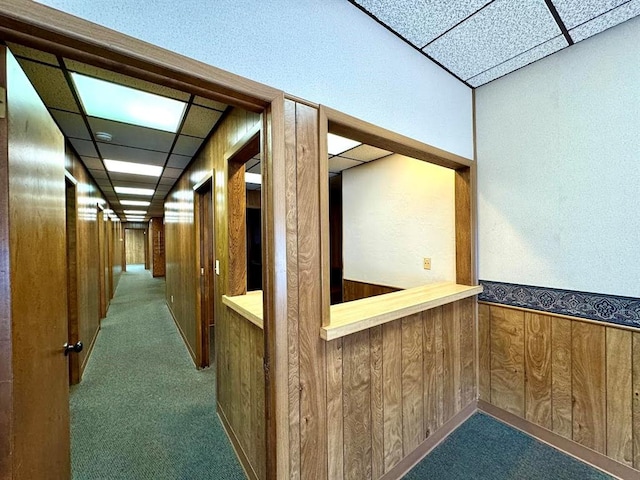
[619, 418]
[507, 359]
[467, 351]
[439, 338]
[377, 404]
[313, 408]
[464, 239]
[561, 389]
[484, 352]
[430, 371]
[537, 358]
[335, 422]
[636, 399]
[392, 395]
[589, 385]
[357, 405]
[412, 383]
[291, 183]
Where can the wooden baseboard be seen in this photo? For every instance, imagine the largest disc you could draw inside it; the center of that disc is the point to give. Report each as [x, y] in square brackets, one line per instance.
[184, 338]
[240, 453]
[411, 460]
[569, 447]
[89, 351]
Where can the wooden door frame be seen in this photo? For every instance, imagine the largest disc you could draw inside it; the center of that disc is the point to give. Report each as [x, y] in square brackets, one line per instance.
[72, 283]
[102, 300]
[203, 188]
[50, 30]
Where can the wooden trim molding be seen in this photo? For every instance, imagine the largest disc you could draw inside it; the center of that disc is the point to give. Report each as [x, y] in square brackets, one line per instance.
[356, 129]
[580, 452]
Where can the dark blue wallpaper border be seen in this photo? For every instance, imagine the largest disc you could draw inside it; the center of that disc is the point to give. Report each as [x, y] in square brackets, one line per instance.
[593, 306]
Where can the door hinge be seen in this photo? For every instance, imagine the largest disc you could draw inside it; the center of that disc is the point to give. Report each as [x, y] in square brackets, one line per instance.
[3, 102]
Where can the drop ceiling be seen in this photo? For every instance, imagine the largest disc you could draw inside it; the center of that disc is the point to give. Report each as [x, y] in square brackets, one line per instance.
[51, 76]
[480, 40]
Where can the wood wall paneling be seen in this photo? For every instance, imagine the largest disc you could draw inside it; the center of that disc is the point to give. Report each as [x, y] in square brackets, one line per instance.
[619, 414]
[135, 240]
[354, 290]
[589, 385]
[561, 395]
[581, 379]
[537, 357]
[156, 238]
[507, 360]
[484, 352]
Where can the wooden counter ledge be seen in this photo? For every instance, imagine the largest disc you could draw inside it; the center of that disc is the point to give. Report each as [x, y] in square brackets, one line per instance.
[358, 315]
[249, 306]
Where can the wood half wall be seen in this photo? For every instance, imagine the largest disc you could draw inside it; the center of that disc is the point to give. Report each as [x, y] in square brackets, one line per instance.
[576, 378]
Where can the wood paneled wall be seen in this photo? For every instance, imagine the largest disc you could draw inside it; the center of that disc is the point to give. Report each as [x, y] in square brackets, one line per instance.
[88, 253]
[392, 386]
[242, 389]
[576, 378]
[180, 242]
[354, 290]
[134, 242]
[239, 346]
[156, 247]
[117, 254]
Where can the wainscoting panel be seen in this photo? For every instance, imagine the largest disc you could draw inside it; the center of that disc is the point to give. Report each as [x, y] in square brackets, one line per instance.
[395, 385]
[574, 377]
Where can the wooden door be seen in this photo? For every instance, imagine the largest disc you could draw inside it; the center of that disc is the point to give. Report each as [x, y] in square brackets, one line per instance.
[33, 318]
[205, 294]
[72, 276]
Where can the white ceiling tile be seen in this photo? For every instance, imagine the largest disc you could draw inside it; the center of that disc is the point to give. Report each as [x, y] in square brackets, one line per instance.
[420, 21]
[200, 121]
[255, 168]
[576, 12]
[133, 136]
[120, 179]
[127, 154]
[205, 102]
[337, 164]
[500, 31]
[84, 148]
[526, 58]
[365, 153]
[92, 163]
[71, 124]
[167, 181]
[98, 174]
[32, 53]
[178, 161]
[608, 20]
[187, 145]
[172, 172]
[51, 85]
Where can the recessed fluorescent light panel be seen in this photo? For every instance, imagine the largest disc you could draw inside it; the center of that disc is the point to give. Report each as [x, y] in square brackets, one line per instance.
[132, 168]
[124, 104]
[134, 191]
[338, 144]
[135, 218]
[254, 178]
[135, 212]
[135, 203]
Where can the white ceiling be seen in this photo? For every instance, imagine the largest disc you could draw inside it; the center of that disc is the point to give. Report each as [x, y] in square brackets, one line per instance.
[481, 40]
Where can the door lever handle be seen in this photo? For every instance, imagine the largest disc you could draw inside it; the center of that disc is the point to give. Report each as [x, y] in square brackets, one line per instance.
[68, 348]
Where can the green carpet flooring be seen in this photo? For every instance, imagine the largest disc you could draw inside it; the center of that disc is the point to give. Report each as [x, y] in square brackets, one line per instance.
[142, 410]
[483, 448]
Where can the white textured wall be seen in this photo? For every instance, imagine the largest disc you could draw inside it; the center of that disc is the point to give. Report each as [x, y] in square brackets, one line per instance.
[559, 169]
[326, 51]
[396, 211]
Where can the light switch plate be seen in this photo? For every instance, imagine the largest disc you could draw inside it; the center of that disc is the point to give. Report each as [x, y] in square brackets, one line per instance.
[427, 263]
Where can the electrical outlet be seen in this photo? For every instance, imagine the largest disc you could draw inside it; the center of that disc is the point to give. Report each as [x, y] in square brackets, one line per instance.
[427, 263]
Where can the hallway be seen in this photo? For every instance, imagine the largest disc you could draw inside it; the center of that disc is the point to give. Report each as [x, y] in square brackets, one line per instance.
[142, 410]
